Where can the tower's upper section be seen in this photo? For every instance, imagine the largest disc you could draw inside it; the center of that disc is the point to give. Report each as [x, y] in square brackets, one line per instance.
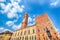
[42, 19]
[25, 21]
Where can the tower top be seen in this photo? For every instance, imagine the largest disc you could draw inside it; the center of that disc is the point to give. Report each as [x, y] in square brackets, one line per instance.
[25, 21]
[26, 14]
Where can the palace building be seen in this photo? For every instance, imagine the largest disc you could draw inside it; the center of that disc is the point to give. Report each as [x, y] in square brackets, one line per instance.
[43, 29]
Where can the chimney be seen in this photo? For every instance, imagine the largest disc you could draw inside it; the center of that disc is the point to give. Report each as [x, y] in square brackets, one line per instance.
[25, 21]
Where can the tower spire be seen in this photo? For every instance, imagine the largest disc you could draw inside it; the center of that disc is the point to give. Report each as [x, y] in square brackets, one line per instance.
[25, 21]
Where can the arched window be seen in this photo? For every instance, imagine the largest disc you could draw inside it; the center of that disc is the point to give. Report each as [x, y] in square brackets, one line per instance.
[27, 37]
[33, 31]
[21, 33]
[30, 37]
[20, 38]
[35, 37]
[28, 31]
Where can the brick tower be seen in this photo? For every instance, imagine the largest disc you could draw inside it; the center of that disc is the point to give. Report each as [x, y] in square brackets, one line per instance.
[46, 28]
[25, 21]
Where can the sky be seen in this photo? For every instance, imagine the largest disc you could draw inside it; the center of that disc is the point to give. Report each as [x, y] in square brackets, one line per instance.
[12, 12]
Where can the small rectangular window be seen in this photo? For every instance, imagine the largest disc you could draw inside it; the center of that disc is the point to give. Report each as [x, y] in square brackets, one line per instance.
[33, 31]
[24, 32]
[21, 33]
[38, 30]
[28, 31]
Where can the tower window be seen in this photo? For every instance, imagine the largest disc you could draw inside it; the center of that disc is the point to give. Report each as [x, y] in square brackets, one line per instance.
[38, 30]
[45, 29]
[51, 27]
[48, 33]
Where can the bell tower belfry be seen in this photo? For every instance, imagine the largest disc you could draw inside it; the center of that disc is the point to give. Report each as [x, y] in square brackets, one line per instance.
[25, 21]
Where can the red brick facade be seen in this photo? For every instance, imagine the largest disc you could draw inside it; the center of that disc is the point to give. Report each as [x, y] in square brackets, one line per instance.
[46, 27]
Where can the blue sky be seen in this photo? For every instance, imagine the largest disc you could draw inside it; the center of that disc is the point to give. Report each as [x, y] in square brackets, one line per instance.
[12, 12]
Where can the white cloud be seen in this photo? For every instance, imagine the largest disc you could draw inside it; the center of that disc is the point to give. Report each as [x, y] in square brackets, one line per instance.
[15, 27]
[2, 29]
[31, 20]
[2, 0]
[12, 8]
[34, 19]
[15, 20]
[58, 30]
[16, 8]
[12, 25]
[31, 24]
[19, 26]
[9, 23]
[7, 7]
[22, 6]
[54, 3]
[12, 15]
[7, 30]
[18, 1]
[2, 5]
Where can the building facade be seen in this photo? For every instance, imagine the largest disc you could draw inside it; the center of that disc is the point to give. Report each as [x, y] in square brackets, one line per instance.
[1, 36]
[59, 36]
[43, 29]
[5, 35]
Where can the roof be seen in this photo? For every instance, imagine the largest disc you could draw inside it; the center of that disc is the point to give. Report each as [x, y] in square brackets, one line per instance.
[6, 32]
